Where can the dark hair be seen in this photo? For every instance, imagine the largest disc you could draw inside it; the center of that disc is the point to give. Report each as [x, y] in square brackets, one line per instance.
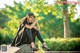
[31, 14]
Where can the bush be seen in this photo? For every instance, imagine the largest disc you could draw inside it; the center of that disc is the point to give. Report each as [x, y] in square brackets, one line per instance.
[4, 37]
[60, 44]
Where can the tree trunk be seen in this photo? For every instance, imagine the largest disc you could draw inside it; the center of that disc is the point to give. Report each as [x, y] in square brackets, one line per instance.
[66, 21]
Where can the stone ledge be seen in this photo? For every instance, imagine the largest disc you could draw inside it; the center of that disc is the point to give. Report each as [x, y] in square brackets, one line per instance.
[21, 49]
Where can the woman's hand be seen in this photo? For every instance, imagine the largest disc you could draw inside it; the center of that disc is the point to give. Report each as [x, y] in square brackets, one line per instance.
[32, 25]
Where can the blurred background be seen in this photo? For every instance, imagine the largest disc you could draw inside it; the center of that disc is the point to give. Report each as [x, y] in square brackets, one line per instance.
[59, 21]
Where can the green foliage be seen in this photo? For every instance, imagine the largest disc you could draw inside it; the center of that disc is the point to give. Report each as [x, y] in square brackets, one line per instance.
[60, 44]
[50, 19]
[5, 38]
[3, 19]
[75, 28]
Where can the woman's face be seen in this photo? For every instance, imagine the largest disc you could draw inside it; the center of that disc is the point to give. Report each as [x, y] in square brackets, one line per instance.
[31, 18]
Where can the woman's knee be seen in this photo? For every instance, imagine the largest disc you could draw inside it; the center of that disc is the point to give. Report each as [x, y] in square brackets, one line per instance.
[27, 30]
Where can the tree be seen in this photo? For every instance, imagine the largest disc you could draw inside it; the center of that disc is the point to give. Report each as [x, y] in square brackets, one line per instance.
[66, 20]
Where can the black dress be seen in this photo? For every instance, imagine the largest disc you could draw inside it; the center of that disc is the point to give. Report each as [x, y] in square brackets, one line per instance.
[21, 36]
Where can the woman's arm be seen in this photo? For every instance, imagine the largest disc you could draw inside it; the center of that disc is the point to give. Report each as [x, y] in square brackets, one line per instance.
[32, 25]
[37, 27]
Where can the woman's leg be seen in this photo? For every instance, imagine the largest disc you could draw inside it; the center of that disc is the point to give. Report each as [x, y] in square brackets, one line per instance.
[37, 33]
[29, 35]
[41, 39]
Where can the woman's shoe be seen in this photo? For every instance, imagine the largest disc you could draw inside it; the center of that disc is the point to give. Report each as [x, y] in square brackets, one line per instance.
[46, 48]
[34, 49]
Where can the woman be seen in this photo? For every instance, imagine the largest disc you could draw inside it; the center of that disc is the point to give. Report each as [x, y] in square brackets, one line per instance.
[28, 30]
